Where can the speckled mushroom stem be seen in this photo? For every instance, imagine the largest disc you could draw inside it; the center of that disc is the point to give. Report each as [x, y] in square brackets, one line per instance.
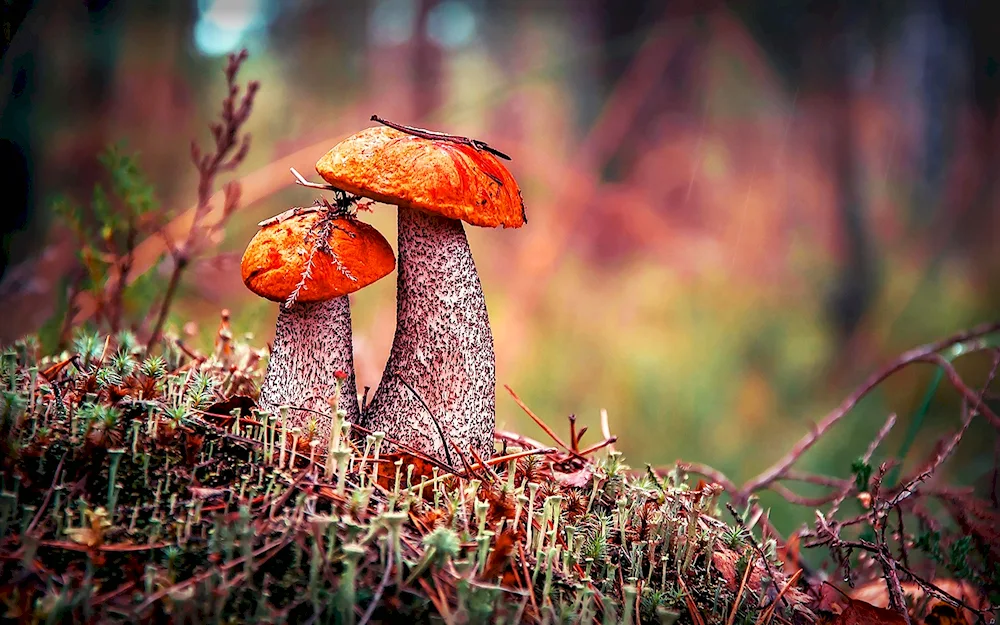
[442, 352]
[312, 341]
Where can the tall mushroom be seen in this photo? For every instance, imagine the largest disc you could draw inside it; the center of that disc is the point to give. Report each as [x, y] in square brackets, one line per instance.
[439, 384]
[310, 262]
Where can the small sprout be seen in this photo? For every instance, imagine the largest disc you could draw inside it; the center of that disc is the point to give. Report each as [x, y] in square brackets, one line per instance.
[369, 441]
[532, 491]
[296, 433]
[399, 466]
[394, 523]
[176, 415]
[127, 342]
[735, 536]
[347, 599]
[123, 363]
[480, 509]
[443, 542]
[521, 500]
[88, 345]
[667, 616]
[379, 437]
[154, 367]
[629, 591]
[313, 446]
[107, 377]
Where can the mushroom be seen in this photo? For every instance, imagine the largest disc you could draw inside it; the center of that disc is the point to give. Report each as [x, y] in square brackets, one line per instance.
[310, 261]
[439, 384]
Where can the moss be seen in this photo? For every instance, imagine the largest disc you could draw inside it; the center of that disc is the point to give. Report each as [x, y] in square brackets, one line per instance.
[156, 492]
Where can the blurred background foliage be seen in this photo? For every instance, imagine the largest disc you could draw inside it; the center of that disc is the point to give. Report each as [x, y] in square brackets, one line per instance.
[736, 212]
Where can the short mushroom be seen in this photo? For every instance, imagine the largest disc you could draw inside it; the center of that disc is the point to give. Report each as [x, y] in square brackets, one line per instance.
[438, 389]
[310, 262]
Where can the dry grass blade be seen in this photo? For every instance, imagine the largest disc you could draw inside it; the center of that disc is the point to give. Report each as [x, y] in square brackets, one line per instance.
[691, 606]
[739, 593]
[768, 614]
[541, 424]
[527, 579]
[606, 428]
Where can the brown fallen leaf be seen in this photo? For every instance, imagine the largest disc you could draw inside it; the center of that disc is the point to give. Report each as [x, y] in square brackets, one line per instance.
[576, 479]
[875, 593]
[499, 558]
[861, 613]
[225, 408]
[387, 470]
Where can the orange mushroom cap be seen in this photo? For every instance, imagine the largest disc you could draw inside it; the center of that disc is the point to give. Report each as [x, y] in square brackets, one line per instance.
[276, 258]
[451, 179]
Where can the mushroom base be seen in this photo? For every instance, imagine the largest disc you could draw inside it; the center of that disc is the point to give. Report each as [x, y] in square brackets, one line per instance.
[312, 342]
[439, 384]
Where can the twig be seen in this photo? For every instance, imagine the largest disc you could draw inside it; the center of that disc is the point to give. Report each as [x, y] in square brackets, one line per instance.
[713, 474]
[691, 605]
[433, 135]
[608, 442]
[518, 439]
[541, 424]
[810, 502]
[527, 579]
[479, 463]
[766, 616]
[880, 522]
[48, 495]
[952, 444]
[914, 355]
[757, 548]
[846, 490]
[978, 404]
[437, 424]
[229, 151]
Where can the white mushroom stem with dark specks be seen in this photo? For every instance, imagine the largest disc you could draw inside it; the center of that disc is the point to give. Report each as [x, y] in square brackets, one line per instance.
[439, 384]
[312, 343]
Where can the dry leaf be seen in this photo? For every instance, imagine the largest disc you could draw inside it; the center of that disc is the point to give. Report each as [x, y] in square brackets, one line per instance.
[861, 613]
[576, 479]
[876, 594]
[387, 470]
[499, 558]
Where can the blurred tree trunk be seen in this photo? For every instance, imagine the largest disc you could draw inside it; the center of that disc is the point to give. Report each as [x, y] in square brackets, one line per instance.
[68, 162]
[980, 224]
[833, 54]
[815, 46]
[425, 70]
[17, 153]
